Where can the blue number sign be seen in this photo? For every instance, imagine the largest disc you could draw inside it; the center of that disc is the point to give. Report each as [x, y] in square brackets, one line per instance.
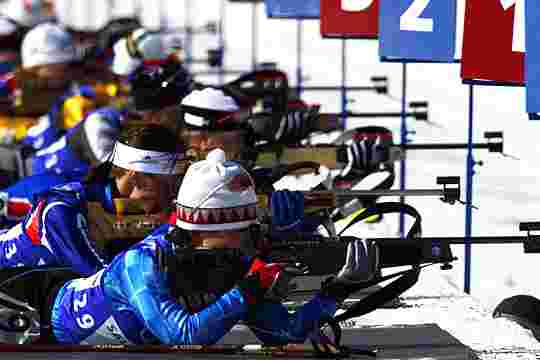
[532, 55]
[293, 9]
[418, 29]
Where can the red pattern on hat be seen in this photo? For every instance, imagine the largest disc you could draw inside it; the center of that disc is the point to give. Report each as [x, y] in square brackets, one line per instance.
[205, 216]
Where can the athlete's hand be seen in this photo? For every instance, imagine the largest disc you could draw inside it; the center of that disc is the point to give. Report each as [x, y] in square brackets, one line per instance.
[361, 265]
[287, 209]
[269, 281]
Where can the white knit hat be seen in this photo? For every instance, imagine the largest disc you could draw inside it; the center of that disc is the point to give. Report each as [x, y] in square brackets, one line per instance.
[25, 12]
[208, 99]
[216, 195]
[47, 44]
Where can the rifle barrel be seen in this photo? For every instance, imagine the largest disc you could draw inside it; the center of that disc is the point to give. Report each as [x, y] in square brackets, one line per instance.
[443, 146]
[336, 88]
[410, 192]
[474, 239]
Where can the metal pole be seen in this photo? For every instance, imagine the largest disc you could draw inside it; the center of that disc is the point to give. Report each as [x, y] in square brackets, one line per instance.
[469, 185]
[299, 57]
[255, 35]
[402, 164]
[343, 83]
[187, 23]
[222, 41]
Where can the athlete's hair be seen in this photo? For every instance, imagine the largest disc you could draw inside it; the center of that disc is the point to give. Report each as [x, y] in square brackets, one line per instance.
[152, 137]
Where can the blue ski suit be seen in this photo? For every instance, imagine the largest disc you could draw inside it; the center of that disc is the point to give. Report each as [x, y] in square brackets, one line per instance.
[91, 140]
[46, 131]
[55, 233]
[16, 200]
[130, 302]
[66, 160]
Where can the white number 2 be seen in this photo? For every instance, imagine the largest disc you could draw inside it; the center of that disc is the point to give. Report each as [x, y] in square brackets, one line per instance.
[518, 37]
[411, 20]
[355, 5]
[80, 303]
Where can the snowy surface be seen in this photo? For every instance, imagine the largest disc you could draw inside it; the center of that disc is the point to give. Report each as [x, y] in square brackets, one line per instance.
[505, 190]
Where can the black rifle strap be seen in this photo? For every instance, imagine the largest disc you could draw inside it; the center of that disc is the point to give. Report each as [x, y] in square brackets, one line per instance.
[381, 296]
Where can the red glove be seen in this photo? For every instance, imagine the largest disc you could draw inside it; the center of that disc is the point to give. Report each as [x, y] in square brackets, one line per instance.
[268, 273]
[269, 281]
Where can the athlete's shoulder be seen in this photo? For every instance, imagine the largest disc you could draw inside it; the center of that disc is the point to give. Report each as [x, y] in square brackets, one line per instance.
[71, 193]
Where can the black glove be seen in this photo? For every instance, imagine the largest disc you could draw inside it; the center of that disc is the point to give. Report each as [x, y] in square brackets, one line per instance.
[293, 127]
[364, 156]
[361, 265]
[296, 125]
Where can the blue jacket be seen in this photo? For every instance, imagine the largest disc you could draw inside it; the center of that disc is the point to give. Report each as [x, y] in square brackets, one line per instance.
[55, 233]
[129, 302]
[60, 157]
[46, 131]
[17, 199]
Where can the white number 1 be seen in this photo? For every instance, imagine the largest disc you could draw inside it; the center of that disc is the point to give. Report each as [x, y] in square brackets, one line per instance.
[411, 21]
[518, 37]
[355, 5]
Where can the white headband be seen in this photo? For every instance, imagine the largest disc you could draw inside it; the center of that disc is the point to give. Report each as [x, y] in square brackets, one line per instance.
[146, 161]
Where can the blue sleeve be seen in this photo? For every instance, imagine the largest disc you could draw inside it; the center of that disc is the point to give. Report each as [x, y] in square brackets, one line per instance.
[145, 286]
[5, 90]
[274, 325]
[28, 187]
[86, 91]
[66, 231]
[43, 134]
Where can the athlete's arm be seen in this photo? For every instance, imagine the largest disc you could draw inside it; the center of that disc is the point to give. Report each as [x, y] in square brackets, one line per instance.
[273, 324]
[145, 285]
[66, 232]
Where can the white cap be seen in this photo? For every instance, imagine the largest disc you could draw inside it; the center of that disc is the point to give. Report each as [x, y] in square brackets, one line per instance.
[216, 195]
[25, 12]
[208, 99]
[47, 44]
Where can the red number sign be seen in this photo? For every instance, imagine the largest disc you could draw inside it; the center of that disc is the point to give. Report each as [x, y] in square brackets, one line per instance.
[350, 18]
[494, 41]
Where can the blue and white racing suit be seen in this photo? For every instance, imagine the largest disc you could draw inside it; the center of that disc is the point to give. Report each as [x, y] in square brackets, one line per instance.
[55, 233]
[130, 302]
[91, 140]
[16, 200]
[66, 160]
[46, 131]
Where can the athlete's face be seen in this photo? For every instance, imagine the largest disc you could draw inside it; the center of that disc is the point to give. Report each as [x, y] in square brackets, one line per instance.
[168, 116]
[201, 142]
[154, 190]
[55, 75]
[217, 239]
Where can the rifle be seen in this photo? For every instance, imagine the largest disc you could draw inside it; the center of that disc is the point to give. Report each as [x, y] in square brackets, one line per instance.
[335, 155]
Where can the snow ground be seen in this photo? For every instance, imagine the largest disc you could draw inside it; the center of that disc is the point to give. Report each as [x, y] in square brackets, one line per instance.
[505, 190]
[505, 187]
